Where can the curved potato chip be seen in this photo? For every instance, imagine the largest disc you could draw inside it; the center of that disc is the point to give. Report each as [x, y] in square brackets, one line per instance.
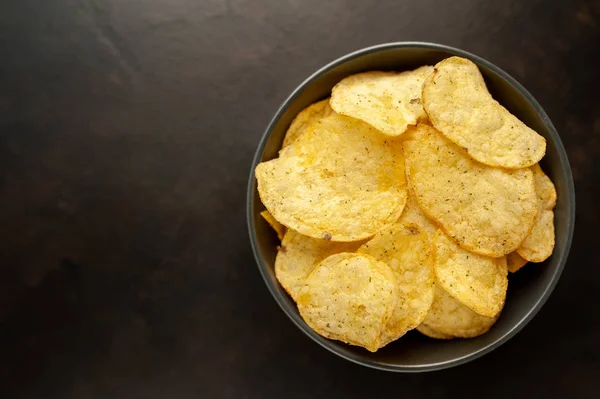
[459, 105]
[477, 281]
[305, 118]
[406, 249]
[412, 213]
[349, 297]
[539, 244]
[388, 101]
[431, 333]
[341, 180]
[546, 193]
[450, 318]
[278, 227]
[514, 262]
[298, 256]
[488, 210]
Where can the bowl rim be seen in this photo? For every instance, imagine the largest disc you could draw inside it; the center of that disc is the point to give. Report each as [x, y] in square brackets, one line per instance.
[250, 202]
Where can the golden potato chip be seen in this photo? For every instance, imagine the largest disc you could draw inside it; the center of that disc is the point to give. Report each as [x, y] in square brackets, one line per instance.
[341, 180]
[298, 255]
[514, 262]
[406, 249]
[412, 213]
[487, 210]
[539, 244]
[546, 193]
[477, 281]
[307, 116]
[349, 297]
[431, 333]
[388, 101]
[448, 317]
[278, 227]
[459, 105]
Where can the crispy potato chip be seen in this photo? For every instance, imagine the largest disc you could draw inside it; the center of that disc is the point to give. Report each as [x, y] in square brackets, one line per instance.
[305, 118]
[388, 101]
[538, 245]
[546, 193]
[298, 256]
[341, 180]
[448, 317]
[412, 213]
[514, 262]
[349, 297]
[406, 249]
[278, 227]
[431, 333]
[488, 210]
[459, 105]
[477, 281]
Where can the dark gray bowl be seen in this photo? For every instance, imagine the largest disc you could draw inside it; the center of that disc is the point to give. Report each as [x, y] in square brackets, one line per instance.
[528, 289]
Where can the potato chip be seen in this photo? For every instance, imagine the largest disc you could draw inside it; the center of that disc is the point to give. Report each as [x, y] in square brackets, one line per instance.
[406, 249]
[448, 317]
[477, 281]
[278, 227]
[488, 210]
[388, 101]
[546, 193]
[298, 255]
[538, 245]
[431, 333]
[341, 180]
[459, 105]
[514, 262]
[305, 118]
[349, 297]
[412, 213]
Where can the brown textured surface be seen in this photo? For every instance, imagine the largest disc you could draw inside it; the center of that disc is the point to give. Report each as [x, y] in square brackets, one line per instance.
[126, 132]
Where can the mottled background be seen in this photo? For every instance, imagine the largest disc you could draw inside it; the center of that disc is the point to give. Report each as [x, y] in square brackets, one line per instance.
[126, 133]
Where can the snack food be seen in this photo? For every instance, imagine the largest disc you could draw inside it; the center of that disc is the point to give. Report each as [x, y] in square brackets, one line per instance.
[349, 297]
[389, 101]
[487, 210]
[478, 281]
[459, 105]
[402, 202]
[341, 180]
[449, 318]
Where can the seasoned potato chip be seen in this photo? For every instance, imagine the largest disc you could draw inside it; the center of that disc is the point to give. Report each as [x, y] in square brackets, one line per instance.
[278, 227]
[412, 213]
[487, 210]
[544, 188]
[305, 118]
[459, 105]
[406, 249]
[514, 262]
[298, 256]
[388, 101]
[477, 281]
[431, 333]
[349, 297]
[538, 245]
[448, 317]
[341, 180]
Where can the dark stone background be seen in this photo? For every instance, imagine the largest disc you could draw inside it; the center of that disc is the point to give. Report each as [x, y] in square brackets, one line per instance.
[126, 133]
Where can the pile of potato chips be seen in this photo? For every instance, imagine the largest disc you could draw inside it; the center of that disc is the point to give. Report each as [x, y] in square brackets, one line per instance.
[402, 202]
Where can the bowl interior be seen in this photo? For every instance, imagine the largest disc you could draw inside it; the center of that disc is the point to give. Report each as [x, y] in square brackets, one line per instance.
[528, 289]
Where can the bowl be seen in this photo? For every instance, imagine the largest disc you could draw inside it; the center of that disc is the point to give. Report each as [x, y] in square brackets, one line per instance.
[528, 289]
